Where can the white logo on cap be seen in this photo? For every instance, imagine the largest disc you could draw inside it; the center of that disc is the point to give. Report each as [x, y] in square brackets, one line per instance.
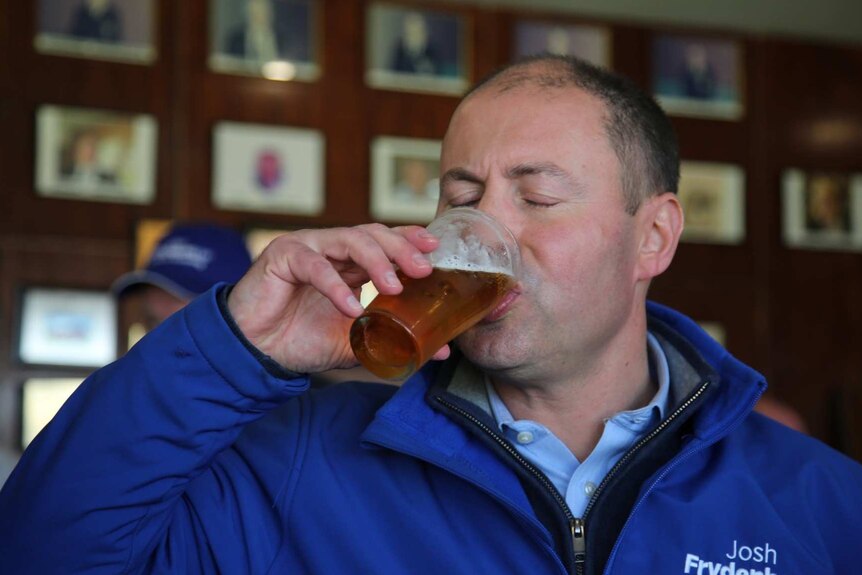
[180, 252]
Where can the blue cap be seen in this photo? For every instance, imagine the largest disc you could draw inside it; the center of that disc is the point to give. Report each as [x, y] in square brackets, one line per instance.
[190, 259]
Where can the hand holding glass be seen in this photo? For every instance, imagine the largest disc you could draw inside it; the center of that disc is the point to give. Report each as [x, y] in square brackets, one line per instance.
[475, 265]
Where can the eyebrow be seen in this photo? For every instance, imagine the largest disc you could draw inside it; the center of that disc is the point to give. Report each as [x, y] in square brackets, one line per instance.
[513, 173]
[542, 169]
[459, 175]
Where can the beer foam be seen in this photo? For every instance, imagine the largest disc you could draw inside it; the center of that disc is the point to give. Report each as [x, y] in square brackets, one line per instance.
[456, 262]
[468, 252]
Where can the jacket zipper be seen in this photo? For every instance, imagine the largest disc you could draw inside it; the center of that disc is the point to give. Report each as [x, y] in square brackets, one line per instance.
[577, 525]
[643, 441]
[674, 463]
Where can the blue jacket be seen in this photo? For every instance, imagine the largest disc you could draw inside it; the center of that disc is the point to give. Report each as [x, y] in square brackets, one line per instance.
[190, 455]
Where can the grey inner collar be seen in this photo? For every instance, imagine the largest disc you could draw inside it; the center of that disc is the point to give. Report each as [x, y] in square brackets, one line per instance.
[468, 381]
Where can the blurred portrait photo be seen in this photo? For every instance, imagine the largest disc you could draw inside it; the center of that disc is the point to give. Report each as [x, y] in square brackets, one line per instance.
[119, 30]
[590, 43]
[405, 182]
[95, 155]
[713, 201]
[827, 203]
[416, 50]
[699, 77]
[822, 209]
[269, 38]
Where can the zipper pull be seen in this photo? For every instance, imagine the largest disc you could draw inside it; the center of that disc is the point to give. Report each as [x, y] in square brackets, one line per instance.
[579, 542]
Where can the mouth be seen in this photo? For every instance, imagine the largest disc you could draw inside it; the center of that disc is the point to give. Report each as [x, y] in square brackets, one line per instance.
[503, 307]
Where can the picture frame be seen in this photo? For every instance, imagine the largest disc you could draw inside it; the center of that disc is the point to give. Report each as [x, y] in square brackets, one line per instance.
[405, 183]
[822, 209]
[273, 39]
[41, 399]
[95, 155]
[588, 42]
[416, 50]
[67, 327]
[698, 76]
[713, 201]
[115, 30]
[148, 232]
[271, 169]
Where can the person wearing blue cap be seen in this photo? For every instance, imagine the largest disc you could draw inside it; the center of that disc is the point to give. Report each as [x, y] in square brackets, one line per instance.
[188, 260]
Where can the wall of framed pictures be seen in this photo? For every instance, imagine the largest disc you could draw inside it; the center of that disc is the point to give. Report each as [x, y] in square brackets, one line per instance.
[270, 115]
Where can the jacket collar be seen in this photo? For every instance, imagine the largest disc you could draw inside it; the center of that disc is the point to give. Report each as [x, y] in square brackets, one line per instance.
[693, 357]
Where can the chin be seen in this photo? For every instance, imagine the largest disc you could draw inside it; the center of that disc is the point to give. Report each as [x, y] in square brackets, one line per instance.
[491, 347]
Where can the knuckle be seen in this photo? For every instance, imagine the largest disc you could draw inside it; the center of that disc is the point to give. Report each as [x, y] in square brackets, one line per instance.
[319, 268]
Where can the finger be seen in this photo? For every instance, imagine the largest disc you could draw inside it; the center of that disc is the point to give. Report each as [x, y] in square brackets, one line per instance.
[417, 263]
[306, 266]
[377, 249]
[407, 247]
[442, 353]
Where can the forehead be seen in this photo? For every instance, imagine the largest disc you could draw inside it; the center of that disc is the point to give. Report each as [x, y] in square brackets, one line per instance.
[527, 117]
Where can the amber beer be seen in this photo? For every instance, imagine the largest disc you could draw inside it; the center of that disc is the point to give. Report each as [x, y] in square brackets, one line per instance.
[397, 334]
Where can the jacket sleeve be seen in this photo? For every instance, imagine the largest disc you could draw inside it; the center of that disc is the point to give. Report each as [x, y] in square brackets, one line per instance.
[103, 488]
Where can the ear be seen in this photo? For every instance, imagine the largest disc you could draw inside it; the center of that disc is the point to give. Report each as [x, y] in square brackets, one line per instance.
[661, 225]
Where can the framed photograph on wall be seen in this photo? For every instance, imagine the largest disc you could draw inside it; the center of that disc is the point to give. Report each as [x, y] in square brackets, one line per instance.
[119, 30]
[698, 76]
[259, 168]
[713, 200]
[95, 155]
[41, 399]
[67, 327]
[148, 232]
[822, 209]
[271, 38]
[590, 43]
[405, 182]
[416, 50]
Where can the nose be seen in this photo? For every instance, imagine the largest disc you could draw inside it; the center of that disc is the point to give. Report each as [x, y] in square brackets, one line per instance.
[498, 203]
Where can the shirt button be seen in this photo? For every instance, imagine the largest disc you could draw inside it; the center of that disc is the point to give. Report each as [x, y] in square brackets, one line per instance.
[589, 487]
[525, 437]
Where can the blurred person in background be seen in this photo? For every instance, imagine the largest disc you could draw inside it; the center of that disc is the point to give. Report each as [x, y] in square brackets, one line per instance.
[188, 260]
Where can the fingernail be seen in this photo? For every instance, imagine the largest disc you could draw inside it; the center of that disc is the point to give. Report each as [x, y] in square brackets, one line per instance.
[354, 304]
[391, 279]
[421, 260]
[426, 235]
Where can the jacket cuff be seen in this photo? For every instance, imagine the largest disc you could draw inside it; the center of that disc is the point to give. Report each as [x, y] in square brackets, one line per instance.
[220, 340]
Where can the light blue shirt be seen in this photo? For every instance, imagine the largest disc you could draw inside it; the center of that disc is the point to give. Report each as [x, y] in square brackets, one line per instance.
[576, 480]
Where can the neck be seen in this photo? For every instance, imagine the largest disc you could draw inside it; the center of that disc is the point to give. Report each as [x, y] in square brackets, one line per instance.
[576, 407]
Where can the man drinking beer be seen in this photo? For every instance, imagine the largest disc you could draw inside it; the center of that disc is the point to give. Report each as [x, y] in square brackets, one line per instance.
[576, 429]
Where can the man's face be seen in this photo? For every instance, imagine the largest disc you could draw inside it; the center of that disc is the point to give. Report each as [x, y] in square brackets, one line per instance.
[158, 305]
[541, 163]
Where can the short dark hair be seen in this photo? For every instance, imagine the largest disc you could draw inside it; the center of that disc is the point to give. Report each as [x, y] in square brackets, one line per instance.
[639, 131]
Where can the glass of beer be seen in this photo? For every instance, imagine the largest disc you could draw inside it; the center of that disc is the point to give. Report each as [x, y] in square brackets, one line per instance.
[474, 266]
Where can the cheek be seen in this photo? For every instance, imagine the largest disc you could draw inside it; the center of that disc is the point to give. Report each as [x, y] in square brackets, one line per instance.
[578, 258]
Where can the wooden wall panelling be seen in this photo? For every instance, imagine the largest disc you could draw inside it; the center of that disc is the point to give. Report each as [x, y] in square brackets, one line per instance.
[69, 81]
[814, 121]
[714, 282]
[795, 315]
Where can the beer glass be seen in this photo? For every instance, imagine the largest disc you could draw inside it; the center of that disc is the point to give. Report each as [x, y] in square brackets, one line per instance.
[474, 266]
